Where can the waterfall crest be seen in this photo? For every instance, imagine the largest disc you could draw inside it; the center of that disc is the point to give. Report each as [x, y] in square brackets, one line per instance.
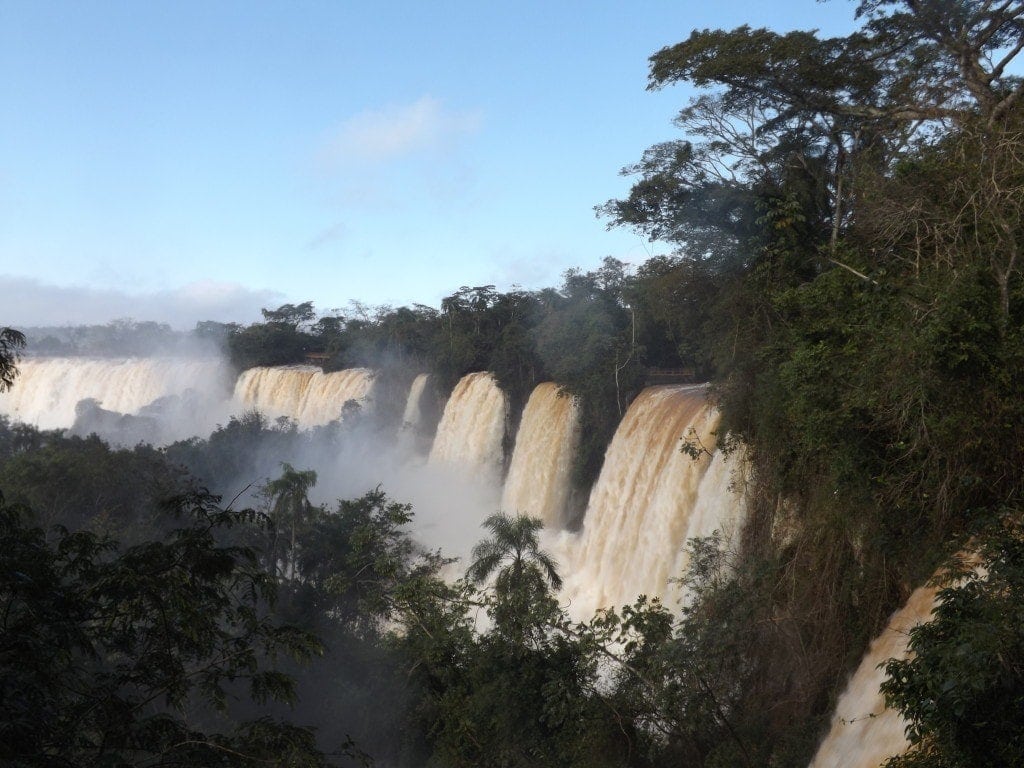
[472, 426]
[649, 498]
[539, 475]
[48, 389]
[864, 733]
[301, 392]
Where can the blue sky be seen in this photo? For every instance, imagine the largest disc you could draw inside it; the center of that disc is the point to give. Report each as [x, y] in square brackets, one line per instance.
[191, 160]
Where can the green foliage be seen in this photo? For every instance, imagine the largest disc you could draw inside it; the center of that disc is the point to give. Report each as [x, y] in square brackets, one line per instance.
[290, 314]
[717, 685]
[269, 344]
[289, 508]
[357, 557]
[524, 574]
[355, 565]
[962, 689]
[11, 344]
[238, 454]
[83, 483]
[520, 693]
[104, 651]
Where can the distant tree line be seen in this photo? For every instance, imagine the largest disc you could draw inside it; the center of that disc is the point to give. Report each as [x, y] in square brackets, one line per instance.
[596, 336]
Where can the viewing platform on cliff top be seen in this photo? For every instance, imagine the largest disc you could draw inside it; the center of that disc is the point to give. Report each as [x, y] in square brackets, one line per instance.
[316, 358]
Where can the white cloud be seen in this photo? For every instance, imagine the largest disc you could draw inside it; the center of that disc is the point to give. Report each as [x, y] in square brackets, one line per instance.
[29, 302]
[378, 136]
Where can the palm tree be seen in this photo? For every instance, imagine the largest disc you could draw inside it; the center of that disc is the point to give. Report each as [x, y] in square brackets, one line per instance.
[290, 501]
[524, 571]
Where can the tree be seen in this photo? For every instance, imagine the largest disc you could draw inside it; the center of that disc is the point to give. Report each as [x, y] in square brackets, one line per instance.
[586, 343]
[519, 694]
[961, 690]
[289, 497]
[121, 657]
[958, 53]
[291, 315]
[82, 483]
[524, 572]
[356, 563]
[11, 344]
[358, 556]
[775, 103]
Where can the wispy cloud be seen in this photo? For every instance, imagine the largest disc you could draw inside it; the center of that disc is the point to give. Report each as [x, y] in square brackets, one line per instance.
[325, 236]
[29, 302]
[378, 136]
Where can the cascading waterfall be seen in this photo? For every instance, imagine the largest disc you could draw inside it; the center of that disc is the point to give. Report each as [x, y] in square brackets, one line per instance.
[472, 427]
[719, 509]
[48, 389]
[864, 733]
[648, 501]
[649, 498]
[414, 434]
[303, 393]
[538, 477]
[412, 417]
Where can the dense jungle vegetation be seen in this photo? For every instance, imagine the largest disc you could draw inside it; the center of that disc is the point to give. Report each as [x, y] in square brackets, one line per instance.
[846, 219]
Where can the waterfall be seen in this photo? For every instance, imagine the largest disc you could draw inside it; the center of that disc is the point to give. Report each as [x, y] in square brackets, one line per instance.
[538, 477]
[720, 507]
[48, 389]
[649, 498]
[412, 417]
[303, 393]
[472, 426]
[864, 733]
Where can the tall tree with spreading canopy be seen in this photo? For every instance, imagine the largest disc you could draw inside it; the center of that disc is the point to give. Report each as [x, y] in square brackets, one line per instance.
[851, 209]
